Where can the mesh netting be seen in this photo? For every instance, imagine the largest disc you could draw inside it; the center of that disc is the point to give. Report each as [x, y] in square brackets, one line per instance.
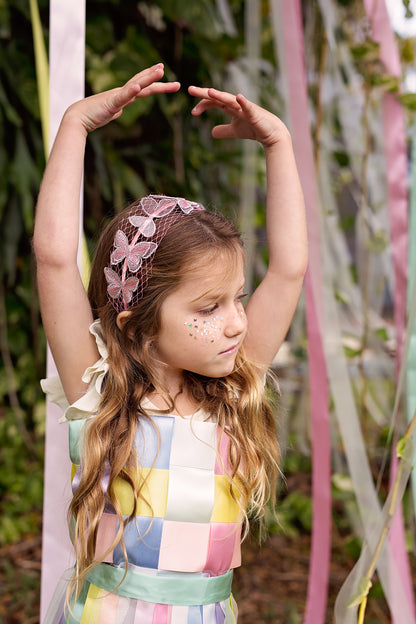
[135, 244]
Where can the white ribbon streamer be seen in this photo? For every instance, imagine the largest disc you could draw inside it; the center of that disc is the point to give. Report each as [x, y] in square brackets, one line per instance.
[66, 81]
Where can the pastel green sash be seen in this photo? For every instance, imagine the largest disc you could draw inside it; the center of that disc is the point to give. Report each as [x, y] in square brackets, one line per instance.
[179, 590]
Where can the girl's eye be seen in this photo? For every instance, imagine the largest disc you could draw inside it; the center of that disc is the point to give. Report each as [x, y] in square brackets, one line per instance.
[241, 297]
[208, 311]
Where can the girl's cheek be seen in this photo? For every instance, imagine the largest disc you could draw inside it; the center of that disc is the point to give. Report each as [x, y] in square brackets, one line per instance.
[204, 331]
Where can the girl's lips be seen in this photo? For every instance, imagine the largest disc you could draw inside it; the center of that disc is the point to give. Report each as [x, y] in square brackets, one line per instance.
[230, 350]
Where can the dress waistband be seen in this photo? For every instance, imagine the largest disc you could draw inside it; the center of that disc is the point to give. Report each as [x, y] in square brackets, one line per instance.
[180, 590]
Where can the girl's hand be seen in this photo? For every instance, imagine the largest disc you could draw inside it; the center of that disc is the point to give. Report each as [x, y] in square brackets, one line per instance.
[98, 110]
[249, 121]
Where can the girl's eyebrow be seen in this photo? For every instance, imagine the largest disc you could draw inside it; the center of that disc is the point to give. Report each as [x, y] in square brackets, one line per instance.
[207, 296]
[211, 295]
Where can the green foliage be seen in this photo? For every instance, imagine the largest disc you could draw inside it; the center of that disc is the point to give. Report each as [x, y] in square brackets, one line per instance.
[22, 352]
[155, 146]
[295, 514]
[122, 161]
[20, 481]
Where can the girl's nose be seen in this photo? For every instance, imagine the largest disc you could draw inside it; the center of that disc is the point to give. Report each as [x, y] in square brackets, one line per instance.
[236, 321]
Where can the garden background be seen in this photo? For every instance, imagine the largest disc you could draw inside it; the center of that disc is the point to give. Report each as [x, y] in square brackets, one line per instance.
[158, 147]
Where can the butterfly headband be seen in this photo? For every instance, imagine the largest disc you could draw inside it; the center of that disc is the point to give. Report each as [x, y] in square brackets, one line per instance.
[135, 243]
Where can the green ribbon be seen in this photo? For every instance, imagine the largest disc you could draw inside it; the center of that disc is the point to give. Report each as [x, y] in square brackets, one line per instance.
[42, 72]
[179, 590]
[76, 440]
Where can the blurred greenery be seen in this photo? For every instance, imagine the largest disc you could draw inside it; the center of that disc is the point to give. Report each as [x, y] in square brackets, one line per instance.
[157, 146]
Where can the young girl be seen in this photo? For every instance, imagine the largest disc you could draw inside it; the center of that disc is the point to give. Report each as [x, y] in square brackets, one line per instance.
[161, 373]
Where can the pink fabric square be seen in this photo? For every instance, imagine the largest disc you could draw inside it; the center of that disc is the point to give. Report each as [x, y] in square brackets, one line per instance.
[184, 546]
[236, 560]
[223, 449]
[162, 614]
[109, 608]
[224, 550]
[144, 612]
[106, 533]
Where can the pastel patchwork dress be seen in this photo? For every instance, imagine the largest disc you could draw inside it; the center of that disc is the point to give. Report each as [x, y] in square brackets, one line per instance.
[185, 539]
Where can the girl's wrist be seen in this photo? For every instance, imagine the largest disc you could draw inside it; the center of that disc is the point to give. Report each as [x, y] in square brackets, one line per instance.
[279, 142]
[72, 121]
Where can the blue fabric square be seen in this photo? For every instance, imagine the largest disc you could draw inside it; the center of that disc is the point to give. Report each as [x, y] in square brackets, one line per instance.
[147, 441]
[142, 539]
[195, 615]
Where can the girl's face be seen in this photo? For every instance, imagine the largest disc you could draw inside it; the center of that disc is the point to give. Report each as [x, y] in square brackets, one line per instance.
[203, 322]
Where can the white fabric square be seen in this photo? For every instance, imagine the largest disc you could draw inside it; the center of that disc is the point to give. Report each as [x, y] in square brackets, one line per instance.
[190, 495]
[179, 615]
[194, 444]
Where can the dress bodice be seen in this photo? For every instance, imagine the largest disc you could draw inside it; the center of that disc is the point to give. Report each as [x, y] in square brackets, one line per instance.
[186, 521]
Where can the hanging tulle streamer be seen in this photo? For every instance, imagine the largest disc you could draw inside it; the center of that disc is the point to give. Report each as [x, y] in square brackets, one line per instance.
[411, 361]
[289, 38]
[250, 150]
[396, 168]
[374, 522]
[66, 80]
[376, 551]
[344, 403]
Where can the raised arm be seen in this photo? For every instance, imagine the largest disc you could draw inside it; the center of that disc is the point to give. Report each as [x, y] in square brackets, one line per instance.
[64, 304]
[271, 308]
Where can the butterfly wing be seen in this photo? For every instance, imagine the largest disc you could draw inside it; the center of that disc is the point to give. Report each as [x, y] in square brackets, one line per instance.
[138, 253]
[128, 288]
[113, 281]
[121, 244]
[145, 225]
[188, 206]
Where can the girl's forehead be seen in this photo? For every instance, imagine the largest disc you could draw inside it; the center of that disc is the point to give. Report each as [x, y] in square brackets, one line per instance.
[221, 262]
[216, 274]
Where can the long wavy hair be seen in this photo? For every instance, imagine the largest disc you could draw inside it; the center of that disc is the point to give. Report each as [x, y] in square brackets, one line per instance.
[237, 402]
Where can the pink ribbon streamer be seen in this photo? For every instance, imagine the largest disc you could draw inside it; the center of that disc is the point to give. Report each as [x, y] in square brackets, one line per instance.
[66, 84]
[290, 14]
[396, 167]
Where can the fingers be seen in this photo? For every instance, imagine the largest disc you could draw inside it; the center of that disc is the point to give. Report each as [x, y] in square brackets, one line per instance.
[212, 98]
[146, 76]
[149, 78]
[227, 100]
[224, 131]
[160, 87]
[141, 85]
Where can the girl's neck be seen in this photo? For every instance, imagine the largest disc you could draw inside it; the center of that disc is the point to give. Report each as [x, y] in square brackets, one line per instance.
[173, 381]
[184, 403]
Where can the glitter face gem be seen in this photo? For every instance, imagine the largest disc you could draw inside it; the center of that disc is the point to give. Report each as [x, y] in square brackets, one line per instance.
[205, 331]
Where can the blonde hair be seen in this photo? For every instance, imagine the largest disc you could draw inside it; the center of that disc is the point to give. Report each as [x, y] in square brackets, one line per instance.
[238, 402]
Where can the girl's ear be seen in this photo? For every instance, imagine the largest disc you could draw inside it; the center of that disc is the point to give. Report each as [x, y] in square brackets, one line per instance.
[122, 317]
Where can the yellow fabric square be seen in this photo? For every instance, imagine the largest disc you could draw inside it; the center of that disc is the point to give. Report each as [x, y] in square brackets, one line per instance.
[226, 509]
[93, 603]
[74, 469]
[154, 494]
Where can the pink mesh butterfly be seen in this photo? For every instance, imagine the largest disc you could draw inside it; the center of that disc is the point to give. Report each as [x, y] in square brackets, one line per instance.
[133, 254]
[127, 257]
[157, 206]
[117, 287]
